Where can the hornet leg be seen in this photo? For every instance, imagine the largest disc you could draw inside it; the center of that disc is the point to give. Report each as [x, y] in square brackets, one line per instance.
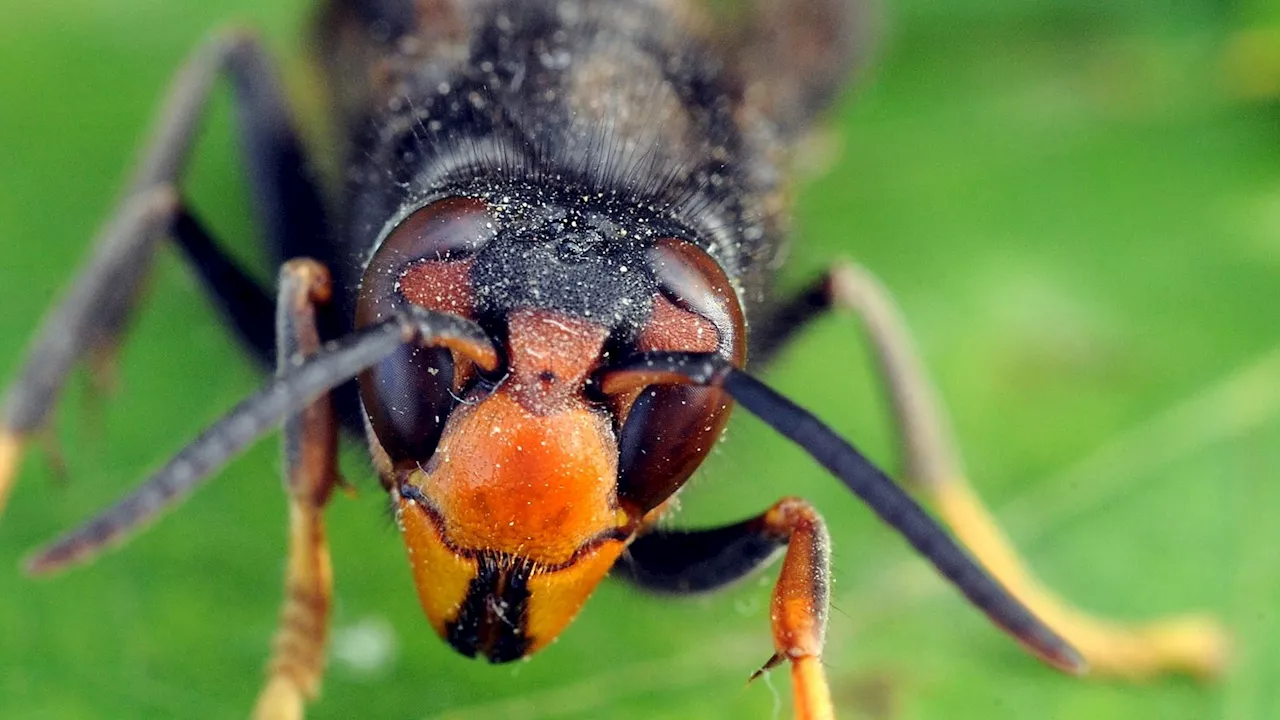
[686, 562]
[92, 316]
[311, 473]
[1193, 644]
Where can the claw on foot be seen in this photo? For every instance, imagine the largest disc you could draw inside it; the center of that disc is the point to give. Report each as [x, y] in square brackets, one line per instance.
[774, 661]
[808, 682]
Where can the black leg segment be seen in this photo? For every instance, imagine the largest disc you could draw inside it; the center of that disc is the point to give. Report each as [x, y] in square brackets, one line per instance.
[310, 455]
[932, 466]
[782, 323]
[682, 562]
[862, 477]
[289, 393]
[245, 304]
[93, 314]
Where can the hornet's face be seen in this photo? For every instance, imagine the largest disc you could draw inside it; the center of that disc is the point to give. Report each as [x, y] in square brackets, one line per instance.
[516, 491]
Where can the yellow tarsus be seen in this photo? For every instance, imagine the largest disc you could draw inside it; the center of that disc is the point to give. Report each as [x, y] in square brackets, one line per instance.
[1194, 644]
[297, 663]
[11, 446]
[281, 699]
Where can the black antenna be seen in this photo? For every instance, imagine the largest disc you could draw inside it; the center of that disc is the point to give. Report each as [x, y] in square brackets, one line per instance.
[884, 496]
[288, 393]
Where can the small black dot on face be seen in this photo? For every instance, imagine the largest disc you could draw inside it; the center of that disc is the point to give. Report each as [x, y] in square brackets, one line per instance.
[547, 377]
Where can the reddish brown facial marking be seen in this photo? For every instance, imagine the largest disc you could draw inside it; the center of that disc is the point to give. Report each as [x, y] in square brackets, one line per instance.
[442, 286]
[440, 21]
[667, 428]
[671, 328]
[701, 288]
[704, 317]
[425, 260]
[551, 355]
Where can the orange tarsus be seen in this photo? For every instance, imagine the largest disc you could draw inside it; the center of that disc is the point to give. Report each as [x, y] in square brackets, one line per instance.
[799, 605]
[812, 696]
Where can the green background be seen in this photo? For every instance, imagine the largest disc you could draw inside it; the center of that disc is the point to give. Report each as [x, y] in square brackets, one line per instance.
[1078, 205]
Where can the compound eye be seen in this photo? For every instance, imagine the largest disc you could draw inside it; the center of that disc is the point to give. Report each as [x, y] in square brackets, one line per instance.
[668, 430]
[425, 260]
[447, 229]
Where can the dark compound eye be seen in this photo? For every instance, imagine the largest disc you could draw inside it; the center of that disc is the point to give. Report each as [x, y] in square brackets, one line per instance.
[444, 230]
[426, 261]
[668, 430]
